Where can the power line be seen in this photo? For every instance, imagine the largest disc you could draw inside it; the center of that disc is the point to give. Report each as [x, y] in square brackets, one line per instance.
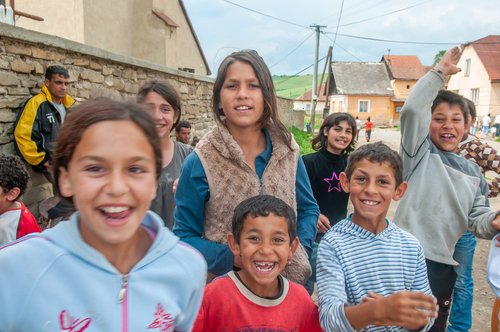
[300, 72]
[286, 56]
[386, 14]
[394, 41]
[338, 25]
[343, 48]
[267, 15]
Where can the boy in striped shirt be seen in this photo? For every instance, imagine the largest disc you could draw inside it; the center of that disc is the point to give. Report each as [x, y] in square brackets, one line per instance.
[371, 274]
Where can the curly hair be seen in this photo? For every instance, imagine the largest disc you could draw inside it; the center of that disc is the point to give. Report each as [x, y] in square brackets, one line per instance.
[13, 173]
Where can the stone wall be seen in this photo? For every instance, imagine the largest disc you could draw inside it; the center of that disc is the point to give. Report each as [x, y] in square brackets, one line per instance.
[25, 54]
[290, 117]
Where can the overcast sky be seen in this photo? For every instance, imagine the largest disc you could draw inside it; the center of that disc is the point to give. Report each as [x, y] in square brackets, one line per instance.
[223, 27]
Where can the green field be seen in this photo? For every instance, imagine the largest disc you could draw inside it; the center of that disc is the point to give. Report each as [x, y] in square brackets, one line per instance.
[292, 87]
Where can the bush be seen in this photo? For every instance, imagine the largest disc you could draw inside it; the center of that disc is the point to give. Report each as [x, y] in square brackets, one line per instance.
[303, 139]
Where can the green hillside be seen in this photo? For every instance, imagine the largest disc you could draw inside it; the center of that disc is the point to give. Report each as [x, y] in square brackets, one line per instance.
[292, 87]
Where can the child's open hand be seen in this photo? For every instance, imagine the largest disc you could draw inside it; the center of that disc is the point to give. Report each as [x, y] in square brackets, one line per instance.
[411, 310]
[448, 63]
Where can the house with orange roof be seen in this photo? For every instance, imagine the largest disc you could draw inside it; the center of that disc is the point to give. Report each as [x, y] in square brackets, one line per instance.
[303, 102]
[479, 79]
[404, 71]
[362, 89]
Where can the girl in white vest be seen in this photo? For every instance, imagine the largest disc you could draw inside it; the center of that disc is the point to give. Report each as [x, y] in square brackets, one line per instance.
[248, 152]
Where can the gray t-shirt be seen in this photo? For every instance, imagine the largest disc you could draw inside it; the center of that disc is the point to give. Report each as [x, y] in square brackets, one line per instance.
[164, 202]
[61, 109]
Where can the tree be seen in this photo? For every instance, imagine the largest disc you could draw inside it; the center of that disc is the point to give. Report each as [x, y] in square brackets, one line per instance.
[438, 57]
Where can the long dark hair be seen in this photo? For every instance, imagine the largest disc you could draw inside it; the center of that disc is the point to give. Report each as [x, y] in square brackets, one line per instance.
[320, 141]
[270, 114]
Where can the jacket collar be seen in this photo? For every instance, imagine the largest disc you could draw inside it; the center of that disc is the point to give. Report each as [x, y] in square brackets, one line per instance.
[67, 235]
[224, 142]
[67, 101]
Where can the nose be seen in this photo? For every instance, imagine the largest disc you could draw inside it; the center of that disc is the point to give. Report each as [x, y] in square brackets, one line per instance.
[265, 247]
[116, 184]
[371, 187]
[242, 93]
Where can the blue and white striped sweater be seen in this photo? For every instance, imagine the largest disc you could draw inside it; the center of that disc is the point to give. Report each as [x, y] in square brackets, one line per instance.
[353, 261]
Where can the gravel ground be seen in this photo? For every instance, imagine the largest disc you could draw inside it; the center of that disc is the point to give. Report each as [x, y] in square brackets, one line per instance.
[483, 296]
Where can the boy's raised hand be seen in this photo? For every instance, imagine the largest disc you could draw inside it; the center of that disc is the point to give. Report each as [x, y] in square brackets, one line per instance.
[411, 310]
[448, 64]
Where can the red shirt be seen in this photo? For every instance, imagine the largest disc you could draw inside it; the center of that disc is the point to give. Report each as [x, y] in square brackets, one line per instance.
[229, 306]
[368, 126]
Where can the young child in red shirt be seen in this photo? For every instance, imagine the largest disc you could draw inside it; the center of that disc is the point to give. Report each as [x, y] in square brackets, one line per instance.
[15, 219]
[264, 237]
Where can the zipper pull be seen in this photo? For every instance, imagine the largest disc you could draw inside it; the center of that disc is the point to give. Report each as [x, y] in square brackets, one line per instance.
[123, 289]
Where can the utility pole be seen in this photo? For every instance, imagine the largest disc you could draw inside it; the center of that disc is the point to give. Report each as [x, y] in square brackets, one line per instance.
[314, 91]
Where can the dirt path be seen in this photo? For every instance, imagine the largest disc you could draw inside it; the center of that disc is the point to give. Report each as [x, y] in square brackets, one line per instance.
[483, 296]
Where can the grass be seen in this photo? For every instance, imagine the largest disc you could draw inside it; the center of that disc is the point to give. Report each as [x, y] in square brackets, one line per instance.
[318, 120]
[292, 87]
[303, 139]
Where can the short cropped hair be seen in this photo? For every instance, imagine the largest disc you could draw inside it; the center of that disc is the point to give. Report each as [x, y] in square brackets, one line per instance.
[182, 124]
[471, 108]
[379, 153]
[13, 173]
[451, 98]
[262, 206]
[56, 70]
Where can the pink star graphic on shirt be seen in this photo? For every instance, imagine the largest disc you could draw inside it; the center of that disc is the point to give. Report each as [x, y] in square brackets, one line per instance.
[162, 320]
[333, 182]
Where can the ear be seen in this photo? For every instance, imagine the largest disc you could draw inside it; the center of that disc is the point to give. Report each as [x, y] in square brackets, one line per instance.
[325, 131]
[13, 194]
[46, 82]
[400, 191]
[293, 247]
[233, 245]
[65, 187]
[344, 181]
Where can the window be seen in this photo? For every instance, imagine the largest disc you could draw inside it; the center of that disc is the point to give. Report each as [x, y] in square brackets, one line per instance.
[474, 96]
[398, 109]
[341, 106]
[363, 106]
[467, 67]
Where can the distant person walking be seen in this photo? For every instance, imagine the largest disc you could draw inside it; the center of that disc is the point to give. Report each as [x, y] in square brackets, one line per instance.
[358, 127]
[486, 125]
[368, 129]
[497, 124]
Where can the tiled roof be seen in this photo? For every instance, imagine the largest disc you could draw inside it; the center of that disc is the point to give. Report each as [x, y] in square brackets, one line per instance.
[361, 78]
[488, 50]
[307, 95]
[404, 67]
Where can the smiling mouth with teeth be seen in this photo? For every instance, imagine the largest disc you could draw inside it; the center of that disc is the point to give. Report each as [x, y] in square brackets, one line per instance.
[264, 267]
[115, 212]
[242, 108]
[369, 202]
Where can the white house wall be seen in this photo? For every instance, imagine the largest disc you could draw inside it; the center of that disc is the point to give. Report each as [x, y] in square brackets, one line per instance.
[478, 79]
